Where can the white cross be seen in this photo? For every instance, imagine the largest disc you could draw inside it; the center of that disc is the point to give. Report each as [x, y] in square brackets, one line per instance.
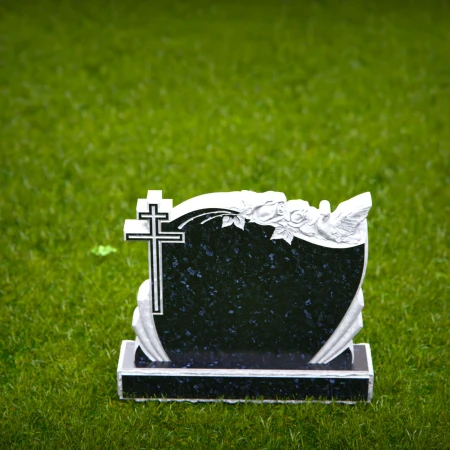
[147, 227]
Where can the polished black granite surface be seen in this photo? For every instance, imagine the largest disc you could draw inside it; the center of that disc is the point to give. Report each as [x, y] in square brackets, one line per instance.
[245, 388]
[236, 298]
[244, 360]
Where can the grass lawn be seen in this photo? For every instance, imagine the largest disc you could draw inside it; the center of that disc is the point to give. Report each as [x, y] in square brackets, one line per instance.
[101, 101]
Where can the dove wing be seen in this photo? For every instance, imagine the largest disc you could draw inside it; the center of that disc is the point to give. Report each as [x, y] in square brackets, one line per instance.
[349, 214]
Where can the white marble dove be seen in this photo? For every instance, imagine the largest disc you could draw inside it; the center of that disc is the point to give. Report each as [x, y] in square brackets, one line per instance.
[343, 224]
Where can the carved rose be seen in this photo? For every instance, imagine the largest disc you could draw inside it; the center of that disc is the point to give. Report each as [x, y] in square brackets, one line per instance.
[298, 216]
[295, 218]
[269, 212]
[298, 211]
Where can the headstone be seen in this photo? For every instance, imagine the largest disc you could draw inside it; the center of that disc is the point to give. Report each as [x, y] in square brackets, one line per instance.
[249, 297]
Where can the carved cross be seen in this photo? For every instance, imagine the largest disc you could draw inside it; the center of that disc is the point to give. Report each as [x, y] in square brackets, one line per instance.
[148, 228]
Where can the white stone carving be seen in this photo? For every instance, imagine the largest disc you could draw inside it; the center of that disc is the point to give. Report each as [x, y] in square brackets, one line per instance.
[345, 227]
[144, 326]
[296, 218]
[350, 325]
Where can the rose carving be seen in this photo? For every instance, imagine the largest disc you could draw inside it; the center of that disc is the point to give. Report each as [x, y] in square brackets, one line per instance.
[296, 218]
[270, 212]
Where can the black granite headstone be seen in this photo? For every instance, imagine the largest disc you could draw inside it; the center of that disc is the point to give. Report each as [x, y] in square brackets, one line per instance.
[251, 297]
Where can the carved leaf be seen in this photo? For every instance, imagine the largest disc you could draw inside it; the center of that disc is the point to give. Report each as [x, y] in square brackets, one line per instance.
[288, 238]
[239, 221]
[283, 233]
[279, 233]
[227, 221]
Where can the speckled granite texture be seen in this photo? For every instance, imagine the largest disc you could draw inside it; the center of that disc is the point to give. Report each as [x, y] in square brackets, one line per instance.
[237, 299]
[245, 387]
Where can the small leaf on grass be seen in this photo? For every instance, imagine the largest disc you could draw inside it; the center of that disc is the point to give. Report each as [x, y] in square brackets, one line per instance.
[103, 250]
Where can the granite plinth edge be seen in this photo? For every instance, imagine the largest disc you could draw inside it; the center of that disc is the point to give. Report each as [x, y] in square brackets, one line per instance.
[245, 385]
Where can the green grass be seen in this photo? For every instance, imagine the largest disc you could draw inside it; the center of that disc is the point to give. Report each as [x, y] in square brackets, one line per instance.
[101, 101]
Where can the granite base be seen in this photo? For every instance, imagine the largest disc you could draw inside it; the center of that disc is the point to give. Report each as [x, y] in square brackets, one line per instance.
[240, 385]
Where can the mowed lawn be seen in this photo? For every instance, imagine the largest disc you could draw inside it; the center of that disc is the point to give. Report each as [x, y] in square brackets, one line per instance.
[101, 101]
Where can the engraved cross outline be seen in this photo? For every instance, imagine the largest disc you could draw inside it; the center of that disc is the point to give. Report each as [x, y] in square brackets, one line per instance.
[151, 232]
